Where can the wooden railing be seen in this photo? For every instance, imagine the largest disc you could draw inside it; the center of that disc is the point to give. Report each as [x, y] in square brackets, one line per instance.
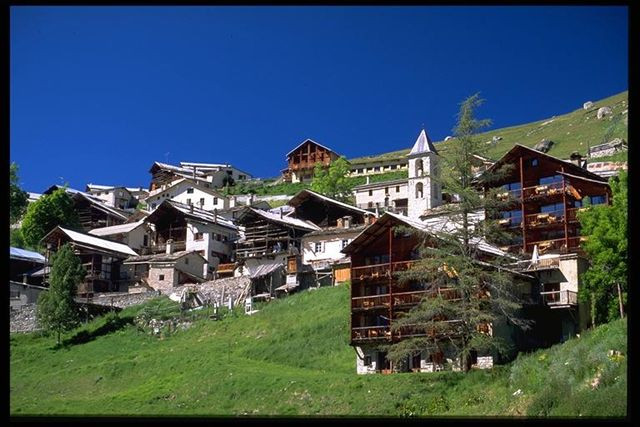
[379, 270]
[548, 246]
[177, 246]
[556, 298]
[370, 333]
[543, 190]
[401, 298]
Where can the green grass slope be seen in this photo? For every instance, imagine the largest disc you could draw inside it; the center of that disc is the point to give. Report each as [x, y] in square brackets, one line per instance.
[574, 131]
[293, 358]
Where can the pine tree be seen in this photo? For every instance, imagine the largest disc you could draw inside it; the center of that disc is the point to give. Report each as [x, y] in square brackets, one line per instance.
[604, 285]
[469, 292]
[57, 310]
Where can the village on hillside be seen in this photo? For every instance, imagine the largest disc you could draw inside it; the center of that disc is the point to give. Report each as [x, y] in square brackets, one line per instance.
[184, 236]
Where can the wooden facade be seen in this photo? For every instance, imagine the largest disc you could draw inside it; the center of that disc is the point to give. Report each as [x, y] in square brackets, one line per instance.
[302, 160]
[545, 195]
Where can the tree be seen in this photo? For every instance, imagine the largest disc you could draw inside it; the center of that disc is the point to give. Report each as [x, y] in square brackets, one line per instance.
[47, 212]
[471, 291]
[18, 199]
[605, 226]
[228, 181]
[332, 182]
[57, 311]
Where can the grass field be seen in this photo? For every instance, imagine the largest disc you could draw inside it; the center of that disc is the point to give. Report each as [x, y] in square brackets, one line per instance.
[293, 358]
[574, 131]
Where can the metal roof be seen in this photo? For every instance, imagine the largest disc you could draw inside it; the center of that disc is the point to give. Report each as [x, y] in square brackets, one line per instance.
[25, 255]
[299, 198]
[116, 229]
[159, 258]
[94, 241]
[285, 220]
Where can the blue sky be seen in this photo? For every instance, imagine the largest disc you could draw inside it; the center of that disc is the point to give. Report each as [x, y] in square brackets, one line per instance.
[100, 93]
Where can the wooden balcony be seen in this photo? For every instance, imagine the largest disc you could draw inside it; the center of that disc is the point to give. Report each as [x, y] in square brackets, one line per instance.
[370, 333]
[378, 271]
[560, 299]
[544, 190]
[177, 246]
[402, 298]
[549, 246]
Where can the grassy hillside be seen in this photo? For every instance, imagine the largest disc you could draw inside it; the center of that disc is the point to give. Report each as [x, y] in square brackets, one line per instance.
[293, 358]
[574, 131]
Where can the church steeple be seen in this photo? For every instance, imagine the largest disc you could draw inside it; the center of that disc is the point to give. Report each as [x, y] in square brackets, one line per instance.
[425, 191]
[423, 145]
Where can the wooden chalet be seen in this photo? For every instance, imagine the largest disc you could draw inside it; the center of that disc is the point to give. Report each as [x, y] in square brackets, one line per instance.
[546, 194]
[101, 258]
[163, 174]
[302, 160]
[378, 297]
[93, 212]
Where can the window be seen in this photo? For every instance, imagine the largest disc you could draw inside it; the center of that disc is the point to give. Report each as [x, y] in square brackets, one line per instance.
[188, 201]
[597, 200]
[145, 240]
[577, 203]
[215, 200]
[318, 247]
[198, 236]
[553, 207]
[533, 162]
[202, 201]
[153, 205]
[229, 172]
[512, 186]
[213, 253]
[394, 167]
[218, 237]
[397, 188]
[161, 277]
[370, 205]
[367, 361]
[386, 201]
[345, 242]
[370, 192]
[186, 261]
[386, 190]
[360, 170]
[241, 177]
[550, 179]
[419, 191]
[190, 190]
[376, 169]
[515, 216]
[419, 167]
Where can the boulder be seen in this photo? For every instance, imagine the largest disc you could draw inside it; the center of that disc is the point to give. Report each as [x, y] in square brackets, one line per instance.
[544, 145]
[496, 138]
[448, 138]
[587, 105]
[603, 111]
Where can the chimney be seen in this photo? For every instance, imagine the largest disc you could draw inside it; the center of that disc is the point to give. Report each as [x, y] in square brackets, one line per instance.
[215, 215]
[191, 207]
[576, 158]
[169, 246]
[280, 212]
[250, 199]
[233, 202]
[368, 178]
[194, 172]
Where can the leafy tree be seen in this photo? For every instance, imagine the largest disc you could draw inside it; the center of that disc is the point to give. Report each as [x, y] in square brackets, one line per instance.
[57, 310]
[18, 199]
[468, 291]
[47, 212]
[333, 181]
[605, 226]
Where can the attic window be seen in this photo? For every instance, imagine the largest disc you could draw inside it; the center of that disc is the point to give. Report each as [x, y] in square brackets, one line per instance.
[161, 277]
[534, 162]
[190, 190]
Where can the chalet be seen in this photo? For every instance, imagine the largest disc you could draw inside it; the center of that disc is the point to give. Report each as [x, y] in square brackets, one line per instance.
[101, 258]
[216, 172]
[136, 234]
[116, 197]
[302, 160]
[93, 212]
[339, 223]
[546, 193]
[192, 229]
[378, 297]
[270, 251]
[188, 191]
[165, 271]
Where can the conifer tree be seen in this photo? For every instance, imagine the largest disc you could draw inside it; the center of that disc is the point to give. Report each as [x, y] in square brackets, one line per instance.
[468, 291]
[57, 310]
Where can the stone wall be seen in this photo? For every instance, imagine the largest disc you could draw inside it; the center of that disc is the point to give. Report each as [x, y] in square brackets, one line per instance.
[23, 319]
[220, 290]
[123, 300]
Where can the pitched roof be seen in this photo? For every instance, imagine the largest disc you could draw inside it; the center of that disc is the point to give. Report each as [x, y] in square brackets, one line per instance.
[569, 167]
[158, 258]
[373, 231]
[95, 201]
[197, 182]
[191, 212]
[422, 145]
[25, 255]
[285, 220]
[93, 241]
[305, 194]
[313, 142]
[116, 229]
[176, 169]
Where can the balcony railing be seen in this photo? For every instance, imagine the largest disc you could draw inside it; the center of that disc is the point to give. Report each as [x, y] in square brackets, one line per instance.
[548, 246]
[402, 298]
[559, 298]
[177, 246]
[370, 333]
[380, 270]
[543, 190]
